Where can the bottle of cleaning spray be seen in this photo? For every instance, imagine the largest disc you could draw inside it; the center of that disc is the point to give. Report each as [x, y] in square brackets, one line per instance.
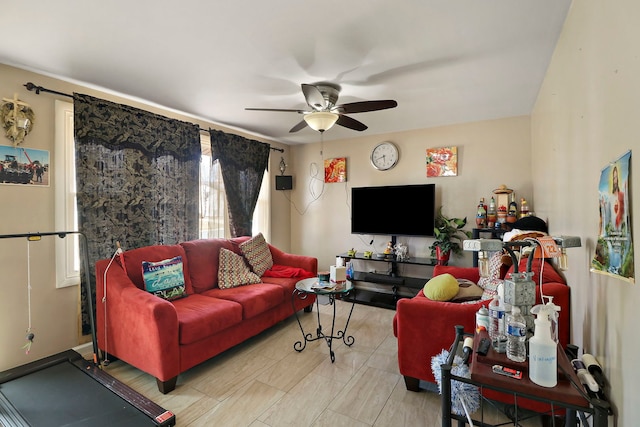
[543, 352]
[553, 311]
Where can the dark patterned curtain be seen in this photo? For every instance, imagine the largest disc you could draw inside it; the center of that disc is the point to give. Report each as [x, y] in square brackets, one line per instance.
[242, 162]
[137, 179]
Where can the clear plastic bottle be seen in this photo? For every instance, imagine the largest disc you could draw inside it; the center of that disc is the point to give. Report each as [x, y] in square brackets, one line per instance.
[349, 270]
[543, 354]
[497, 325]
[516, 336]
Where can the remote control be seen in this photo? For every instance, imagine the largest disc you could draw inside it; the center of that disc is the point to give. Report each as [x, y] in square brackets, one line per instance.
[483, 347]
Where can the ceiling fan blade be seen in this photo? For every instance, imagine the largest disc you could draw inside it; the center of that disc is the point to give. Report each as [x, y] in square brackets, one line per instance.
[350, 123]
[298, 127]
[314, 97]
[277, 109]
[364, 106]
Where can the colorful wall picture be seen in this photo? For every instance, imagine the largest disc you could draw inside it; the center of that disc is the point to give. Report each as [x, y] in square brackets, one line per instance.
[614, 249]
[24, 166]
[335, 170]
[442, 161]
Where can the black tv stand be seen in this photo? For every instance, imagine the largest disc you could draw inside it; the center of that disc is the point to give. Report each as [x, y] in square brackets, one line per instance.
[392, 281]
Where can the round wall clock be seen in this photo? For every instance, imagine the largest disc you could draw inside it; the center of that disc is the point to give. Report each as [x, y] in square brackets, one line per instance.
[384, 156]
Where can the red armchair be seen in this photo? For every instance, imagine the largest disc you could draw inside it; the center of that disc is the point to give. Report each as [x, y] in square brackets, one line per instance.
[424, 327]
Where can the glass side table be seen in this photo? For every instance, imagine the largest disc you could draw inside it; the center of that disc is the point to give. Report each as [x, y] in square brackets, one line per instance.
[311, 286]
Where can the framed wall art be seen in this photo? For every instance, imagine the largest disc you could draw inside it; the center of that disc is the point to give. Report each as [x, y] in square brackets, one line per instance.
[614, 247]
[335, 170]
[442, 161]
[24, 166]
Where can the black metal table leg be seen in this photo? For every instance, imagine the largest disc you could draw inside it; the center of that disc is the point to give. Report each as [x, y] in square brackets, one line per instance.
[341, 334]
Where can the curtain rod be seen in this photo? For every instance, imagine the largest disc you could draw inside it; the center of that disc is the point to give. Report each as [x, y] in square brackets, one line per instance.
[32, 87]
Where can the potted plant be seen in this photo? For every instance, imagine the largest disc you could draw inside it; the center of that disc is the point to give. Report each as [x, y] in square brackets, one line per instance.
[449, 235]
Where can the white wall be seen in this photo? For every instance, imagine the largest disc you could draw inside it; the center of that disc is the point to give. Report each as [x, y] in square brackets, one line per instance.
[490, 153]
[587, 116]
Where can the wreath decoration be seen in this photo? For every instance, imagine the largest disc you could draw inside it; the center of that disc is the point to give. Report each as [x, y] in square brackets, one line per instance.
[13, 113]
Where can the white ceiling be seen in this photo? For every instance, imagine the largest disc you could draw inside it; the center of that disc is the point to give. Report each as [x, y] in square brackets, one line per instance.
[443, 61]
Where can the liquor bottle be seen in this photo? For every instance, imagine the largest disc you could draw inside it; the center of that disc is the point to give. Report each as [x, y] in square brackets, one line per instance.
[492, 213]
[524, 208]
[512, 214]
[481, 215]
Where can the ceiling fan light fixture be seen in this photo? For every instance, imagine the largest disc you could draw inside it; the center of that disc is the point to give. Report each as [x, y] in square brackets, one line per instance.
[321, 120]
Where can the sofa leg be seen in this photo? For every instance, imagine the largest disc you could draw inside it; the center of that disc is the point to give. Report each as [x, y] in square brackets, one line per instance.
[308, 309]
[413, 384]
[167, 386]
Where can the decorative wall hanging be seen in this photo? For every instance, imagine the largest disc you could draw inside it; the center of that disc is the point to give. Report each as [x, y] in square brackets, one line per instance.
[614, 250]
[335, 170]
[24, 166]
[442, 161]
[17, 119]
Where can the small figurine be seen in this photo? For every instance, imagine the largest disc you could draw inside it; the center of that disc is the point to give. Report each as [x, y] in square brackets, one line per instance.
[389, 249]
[402, 252]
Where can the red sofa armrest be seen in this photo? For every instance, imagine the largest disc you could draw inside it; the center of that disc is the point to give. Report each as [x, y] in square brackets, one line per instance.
[424, 328]
[134, 325]
[307, 263]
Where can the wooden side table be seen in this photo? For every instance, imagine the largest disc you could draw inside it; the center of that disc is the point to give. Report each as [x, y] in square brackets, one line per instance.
[567, 394]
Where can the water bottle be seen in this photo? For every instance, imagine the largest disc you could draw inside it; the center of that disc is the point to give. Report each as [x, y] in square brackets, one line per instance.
[349, 271]
[497, 326]
[516, 336]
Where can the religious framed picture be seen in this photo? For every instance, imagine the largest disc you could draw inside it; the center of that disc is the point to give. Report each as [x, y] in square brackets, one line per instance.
[20, 166]
[614, 247]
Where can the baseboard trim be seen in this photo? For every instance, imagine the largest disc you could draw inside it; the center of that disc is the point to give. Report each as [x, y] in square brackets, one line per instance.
[85, 350]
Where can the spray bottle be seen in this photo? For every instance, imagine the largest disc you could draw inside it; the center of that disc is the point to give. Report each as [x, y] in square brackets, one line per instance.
[552, 311]
[543, 352]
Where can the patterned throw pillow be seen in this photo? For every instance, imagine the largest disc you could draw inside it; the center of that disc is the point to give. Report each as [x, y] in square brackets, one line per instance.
[257, 253]
[165, 278]
[232, 271]
[467, 291]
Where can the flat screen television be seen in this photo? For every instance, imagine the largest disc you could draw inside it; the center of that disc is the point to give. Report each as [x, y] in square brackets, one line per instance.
[400, 210]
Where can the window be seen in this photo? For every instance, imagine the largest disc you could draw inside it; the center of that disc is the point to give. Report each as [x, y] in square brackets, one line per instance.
[213, 204]
[67, 252]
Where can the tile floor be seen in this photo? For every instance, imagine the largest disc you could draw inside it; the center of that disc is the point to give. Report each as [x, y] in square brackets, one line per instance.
[265, 382]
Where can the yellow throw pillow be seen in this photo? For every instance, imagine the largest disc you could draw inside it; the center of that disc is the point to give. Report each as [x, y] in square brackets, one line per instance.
[441, 288]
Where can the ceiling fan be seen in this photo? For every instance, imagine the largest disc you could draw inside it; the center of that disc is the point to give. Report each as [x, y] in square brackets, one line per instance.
[324, 113]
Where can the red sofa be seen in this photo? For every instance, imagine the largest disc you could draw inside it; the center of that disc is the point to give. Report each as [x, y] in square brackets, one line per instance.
[165, 338]
[424, 327]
